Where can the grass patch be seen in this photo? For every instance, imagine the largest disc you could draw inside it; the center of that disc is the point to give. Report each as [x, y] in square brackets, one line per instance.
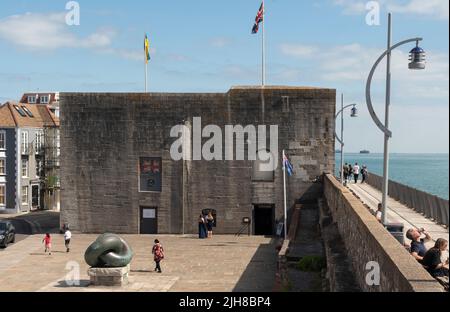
[312, 264]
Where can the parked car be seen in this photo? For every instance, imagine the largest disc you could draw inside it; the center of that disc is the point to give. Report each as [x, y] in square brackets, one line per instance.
[7, 233]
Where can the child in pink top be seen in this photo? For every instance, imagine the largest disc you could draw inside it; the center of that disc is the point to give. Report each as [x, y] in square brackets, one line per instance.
[48, 243]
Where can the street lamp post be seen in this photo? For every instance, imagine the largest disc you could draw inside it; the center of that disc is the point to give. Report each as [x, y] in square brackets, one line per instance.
[417, 58]
[341, 139]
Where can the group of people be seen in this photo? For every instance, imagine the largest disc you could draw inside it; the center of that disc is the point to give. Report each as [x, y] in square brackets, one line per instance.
[205, 226]
[355, 171]
[47, 241]
[430, 259]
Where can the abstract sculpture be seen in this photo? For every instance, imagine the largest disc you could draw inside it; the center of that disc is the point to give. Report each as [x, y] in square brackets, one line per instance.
[108, 251]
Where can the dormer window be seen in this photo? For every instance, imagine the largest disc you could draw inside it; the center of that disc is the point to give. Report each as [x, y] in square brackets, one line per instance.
[32, 99]
[44, 99]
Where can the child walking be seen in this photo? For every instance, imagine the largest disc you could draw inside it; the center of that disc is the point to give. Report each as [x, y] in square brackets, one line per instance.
[158, 255]
[48, 243]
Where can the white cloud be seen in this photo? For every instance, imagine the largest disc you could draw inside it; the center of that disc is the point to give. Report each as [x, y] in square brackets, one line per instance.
[48, 32]
[433, 8]
[436, 9]
[298, 50]
[350, 64]
[220, 42]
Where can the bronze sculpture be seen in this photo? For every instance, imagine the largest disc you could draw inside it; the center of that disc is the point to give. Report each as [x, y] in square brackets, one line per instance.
[108, 251]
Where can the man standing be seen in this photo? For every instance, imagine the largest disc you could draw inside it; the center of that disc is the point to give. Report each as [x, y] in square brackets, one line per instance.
[418, 249]
[67, 237]
[356, 170]
[364, 173]
[345, 173]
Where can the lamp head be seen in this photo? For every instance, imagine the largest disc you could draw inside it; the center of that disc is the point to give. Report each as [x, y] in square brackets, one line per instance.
[354, 112]
[417, 58]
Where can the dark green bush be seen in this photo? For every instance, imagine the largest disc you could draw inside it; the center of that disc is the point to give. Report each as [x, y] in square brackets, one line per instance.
[312, 264]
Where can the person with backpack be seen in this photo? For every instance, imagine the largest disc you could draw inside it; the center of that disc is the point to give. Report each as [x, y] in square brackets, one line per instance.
[364, 173]
[158, 255]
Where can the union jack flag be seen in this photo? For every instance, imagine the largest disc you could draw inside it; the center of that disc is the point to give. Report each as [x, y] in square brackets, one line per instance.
[259, 18]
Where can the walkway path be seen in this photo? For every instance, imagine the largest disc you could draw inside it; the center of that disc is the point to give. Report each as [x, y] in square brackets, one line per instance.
[398, 213]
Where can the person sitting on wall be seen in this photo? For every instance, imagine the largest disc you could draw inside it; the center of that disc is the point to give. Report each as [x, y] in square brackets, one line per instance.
[433, 259]
[379, 213]
[418, 249]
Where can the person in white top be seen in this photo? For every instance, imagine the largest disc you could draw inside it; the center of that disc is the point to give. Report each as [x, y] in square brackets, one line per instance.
[67, 237]
[356, 170]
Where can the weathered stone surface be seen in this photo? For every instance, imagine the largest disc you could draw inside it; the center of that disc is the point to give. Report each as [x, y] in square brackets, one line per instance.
[368, 242]
[109, 276]
[103, 136]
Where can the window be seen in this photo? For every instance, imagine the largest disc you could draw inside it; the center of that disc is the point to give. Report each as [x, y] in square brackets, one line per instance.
[25, 195]
[2, 195]
[24, 142]
[2, 140]
[44, 99]
[38, 167]
[29, 113]
[20, 111]
[2, 167]
[24, 167]
[38, 142]
[32, 99]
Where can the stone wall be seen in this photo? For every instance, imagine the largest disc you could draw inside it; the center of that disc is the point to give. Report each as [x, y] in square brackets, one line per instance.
[366, 240]
[103, 136]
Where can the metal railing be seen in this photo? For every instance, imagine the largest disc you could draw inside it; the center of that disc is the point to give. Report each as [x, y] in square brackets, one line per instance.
[431, 206]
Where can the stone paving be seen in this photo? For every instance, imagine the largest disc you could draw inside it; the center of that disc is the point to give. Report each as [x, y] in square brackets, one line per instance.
[223, 263]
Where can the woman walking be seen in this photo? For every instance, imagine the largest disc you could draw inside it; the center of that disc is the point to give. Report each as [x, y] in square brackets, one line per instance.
[48, 243]
[158, 255]
[209, 224]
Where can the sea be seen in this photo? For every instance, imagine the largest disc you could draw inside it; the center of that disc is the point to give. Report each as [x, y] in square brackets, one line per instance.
[426, 172]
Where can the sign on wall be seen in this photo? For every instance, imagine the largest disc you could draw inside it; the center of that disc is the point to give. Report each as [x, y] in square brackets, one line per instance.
[150, 174]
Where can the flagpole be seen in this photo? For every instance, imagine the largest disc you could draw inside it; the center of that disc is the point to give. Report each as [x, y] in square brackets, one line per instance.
[146, 73]
[285, 195]
[263, 46]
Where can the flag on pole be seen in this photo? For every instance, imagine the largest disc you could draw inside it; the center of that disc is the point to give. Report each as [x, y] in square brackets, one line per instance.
[287, 165]
[259, 18]
[147, 49]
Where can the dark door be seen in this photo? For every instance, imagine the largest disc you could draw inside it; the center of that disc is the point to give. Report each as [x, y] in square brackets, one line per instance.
[149, 224]
[35, 196]
[264, 219]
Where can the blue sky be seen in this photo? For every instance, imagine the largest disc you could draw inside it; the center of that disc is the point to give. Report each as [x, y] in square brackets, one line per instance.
[206, 46]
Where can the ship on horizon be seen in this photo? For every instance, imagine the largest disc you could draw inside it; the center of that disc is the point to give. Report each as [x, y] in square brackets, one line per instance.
[364, 152]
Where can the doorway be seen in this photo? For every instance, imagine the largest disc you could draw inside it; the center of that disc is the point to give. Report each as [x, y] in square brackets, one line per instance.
[35, 196]
[264, 216]
[148, 220]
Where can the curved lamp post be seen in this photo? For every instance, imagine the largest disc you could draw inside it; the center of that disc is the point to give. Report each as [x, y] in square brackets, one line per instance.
[341, 139]
[417, 61]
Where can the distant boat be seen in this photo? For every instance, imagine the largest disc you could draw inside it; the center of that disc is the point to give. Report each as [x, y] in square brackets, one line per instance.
[338, 151]
[364, 152]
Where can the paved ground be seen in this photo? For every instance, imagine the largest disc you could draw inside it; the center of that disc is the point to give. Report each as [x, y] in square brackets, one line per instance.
[223, 263]
[399, 213]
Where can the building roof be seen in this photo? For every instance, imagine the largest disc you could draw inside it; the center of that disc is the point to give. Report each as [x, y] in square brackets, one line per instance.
[27, 115]
[53, 97]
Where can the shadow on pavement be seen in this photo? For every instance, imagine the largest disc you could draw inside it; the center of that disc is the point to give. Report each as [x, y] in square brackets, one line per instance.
[259, 275]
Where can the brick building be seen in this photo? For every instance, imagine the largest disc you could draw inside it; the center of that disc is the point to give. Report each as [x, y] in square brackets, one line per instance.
[117, 173]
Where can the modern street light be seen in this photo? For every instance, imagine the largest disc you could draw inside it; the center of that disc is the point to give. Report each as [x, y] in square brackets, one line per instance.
[341, 139]
[417, 61]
